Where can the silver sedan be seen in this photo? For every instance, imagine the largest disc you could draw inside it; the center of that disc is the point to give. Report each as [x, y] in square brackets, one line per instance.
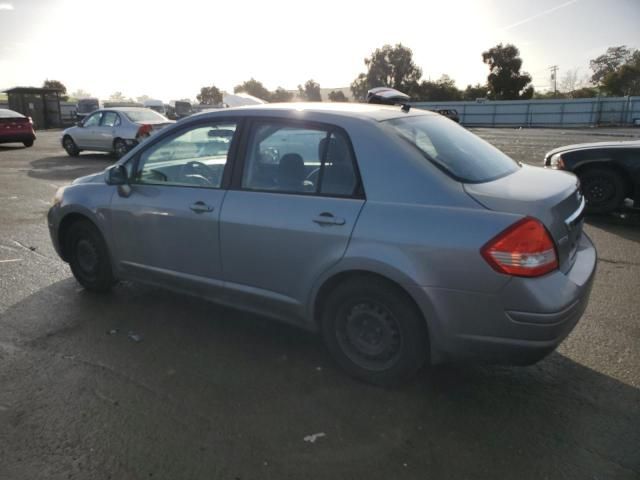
[395, 233]
[115, 130]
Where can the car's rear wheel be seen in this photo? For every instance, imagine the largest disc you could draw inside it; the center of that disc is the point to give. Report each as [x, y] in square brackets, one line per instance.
[374, 331]
[28, 143]
[70, 146]
[603, 189]
[120, 148]
[89, 257]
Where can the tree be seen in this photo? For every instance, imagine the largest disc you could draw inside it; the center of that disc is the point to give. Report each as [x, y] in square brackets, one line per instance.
[389, 66]
[310, 92]
[209, 95]
[255, 88]
[143, 98]
[584, 92]
[118, 97]
[505, 80]
[80, 94]
[281, 95]
[473, 92]
[57, 84]
[337, 96]
[609, 62]
[442, 89]
[625, 79]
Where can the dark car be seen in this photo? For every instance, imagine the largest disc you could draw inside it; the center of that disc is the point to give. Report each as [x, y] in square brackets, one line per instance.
[609, 172]
[16, 128]
[450, 113]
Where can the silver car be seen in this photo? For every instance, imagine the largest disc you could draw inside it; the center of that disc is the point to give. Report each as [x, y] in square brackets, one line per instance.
[398, 235]
[114, 130]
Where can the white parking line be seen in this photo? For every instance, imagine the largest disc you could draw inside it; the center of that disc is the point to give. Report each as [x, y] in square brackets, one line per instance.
[11, 260]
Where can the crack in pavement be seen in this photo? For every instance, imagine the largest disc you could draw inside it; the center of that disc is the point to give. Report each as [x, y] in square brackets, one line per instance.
[619, 262]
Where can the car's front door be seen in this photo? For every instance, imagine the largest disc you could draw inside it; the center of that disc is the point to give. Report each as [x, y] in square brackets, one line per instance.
[166, 228]
[290, 214]
[85, 136]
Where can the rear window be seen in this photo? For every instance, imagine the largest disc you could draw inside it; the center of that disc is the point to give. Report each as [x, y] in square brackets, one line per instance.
[451, 147]
[4, 113]
[144, 115]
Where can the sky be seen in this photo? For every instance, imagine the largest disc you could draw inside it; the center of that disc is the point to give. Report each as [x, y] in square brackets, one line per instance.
[169, 49]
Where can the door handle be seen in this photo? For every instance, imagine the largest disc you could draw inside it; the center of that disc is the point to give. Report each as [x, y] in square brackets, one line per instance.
[326, 218]
[201, 207]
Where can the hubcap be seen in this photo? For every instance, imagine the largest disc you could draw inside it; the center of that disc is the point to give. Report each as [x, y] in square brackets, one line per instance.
[369, 335]
[87, 257]
[598, 191]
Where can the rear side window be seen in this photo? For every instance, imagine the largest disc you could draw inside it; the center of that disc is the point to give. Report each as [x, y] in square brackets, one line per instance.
[454, 149]
[292, 159]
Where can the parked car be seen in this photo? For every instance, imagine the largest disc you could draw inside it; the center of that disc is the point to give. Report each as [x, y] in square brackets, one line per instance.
[155, 105]
[115, 130]
[609, 172]
[450, 113]
[16, 128]
[395, 233]
[85, 106]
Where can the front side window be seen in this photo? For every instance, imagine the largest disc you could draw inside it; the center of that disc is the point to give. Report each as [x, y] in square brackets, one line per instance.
[194, 158]
[293, 159]
[93, 120]
[459, 152]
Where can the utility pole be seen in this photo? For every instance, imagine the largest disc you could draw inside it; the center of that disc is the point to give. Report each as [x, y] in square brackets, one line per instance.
[554, 78]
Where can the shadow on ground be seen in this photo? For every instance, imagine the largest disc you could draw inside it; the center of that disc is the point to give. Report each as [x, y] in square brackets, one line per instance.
[68, 168]
[210, 392]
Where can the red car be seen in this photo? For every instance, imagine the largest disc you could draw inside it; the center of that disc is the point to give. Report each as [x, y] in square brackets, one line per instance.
[15, 127]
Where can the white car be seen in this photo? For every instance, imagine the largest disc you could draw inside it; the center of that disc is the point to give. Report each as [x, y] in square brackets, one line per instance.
[113, 130]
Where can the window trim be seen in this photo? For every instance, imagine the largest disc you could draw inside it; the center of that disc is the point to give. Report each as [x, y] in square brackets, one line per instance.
[174, 133]
[255, 121]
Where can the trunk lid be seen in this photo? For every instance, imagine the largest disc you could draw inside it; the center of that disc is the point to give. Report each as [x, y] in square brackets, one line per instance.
[551, 196]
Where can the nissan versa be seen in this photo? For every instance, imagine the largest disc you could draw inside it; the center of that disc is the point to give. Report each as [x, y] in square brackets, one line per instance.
[398, 235]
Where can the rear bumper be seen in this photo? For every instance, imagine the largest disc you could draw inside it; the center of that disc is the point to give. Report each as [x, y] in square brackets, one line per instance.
[17, 137]
[520, 324]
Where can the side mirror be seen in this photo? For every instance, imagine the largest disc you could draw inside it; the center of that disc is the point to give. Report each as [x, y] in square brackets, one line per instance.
[116, 175]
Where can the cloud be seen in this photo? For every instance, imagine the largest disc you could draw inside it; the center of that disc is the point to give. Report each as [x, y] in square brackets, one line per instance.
[6, 6]
[538, 15]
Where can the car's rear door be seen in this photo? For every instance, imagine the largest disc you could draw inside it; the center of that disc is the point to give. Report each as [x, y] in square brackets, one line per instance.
[104, 132]
[166, 228]
[290, 213]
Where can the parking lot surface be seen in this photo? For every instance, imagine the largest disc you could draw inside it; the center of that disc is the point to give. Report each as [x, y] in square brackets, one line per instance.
[142, 383]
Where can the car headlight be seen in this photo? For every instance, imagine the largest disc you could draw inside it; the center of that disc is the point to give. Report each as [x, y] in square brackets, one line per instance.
[57, 198]
[556, 162]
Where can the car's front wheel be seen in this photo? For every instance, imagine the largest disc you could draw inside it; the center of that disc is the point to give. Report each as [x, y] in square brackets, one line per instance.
[603, 189]
[70, 146]
[374, 331]
[89, 257]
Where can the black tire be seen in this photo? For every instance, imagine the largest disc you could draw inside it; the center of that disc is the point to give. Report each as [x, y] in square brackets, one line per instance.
[28, 143]
[374, 331]
[89, 257]
[70, 146]
[603, 188]
[120, 148]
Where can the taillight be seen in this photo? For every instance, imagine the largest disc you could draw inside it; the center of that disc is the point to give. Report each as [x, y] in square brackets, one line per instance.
[30, 120]
[144, 130]
[525, 249]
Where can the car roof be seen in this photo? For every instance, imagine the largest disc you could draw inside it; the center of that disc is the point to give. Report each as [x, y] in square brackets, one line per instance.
[6, 111]
[359, 110]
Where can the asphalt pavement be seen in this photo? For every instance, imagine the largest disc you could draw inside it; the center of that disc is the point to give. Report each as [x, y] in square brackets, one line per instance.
[142, 383]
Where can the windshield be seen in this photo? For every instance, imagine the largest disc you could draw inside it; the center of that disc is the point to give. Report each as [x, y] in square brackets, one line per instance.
[459, 152]
[87, 106]
[144, 115]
